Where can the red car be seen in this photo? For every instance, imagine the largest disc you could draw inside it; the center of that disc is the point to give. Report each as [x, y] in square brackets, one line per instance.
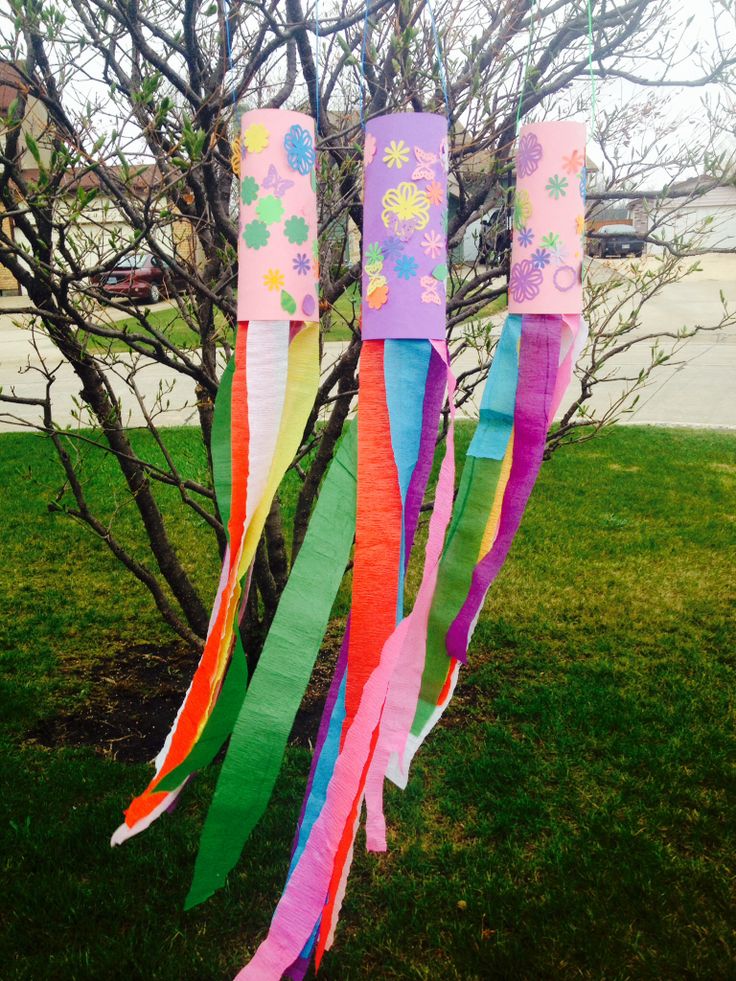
[135, 277]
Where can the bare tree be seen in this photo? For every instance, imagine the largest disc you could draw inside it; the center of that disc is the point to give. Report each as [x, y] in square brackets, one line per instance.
[135, 105]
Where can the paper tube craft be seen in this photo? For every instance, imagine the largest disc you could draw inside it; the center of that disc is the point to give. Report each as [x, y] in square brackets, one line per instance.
[263, 403]
[532, 367]
[404, 374]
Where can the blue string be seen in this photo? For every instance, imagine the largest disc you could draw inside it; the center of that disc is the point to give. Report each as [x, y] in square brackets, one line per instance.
[362, 65]
[440, 65]
[316, 62]
[229, 47]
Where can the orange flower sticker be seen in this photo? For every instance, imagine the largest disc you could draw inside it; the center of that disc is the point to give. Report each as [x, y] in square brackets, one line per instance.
[377, 297]
[574, 163]
[434, 192]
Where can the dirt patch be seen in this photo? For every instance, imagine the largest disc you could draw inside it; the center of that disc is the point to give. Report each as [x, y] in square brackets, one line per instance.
[132, 699]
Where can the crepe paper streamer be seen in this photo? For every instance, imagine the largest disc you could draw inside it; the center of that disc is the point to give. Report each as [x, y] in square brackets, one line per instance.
[263, 404]
[267, 713]
[278, 216]
[549, 219]
[405, 227]
[317, 872]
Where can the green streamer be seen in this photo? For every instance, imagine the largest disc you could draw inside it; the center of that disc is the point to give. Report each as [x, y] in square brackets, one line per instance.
[260, 734]
[477, 490]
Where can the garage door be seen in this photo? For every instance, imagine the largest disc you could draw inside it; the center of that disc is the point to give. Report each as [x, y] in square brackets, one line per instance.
[719, 234]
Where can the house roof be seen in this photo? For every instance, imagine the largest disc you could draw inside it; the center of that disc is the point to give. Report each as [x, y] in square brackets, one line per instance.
[145, 177]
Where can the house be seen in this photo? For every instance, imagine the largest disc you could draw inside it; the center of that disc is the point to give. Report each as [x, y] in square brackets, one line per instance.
[98, 229]
[703, 210]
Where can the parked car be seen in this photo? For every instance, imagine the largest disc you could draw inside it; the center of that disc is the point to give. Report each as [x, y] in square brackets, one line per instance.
[134, 277]
[620, 240]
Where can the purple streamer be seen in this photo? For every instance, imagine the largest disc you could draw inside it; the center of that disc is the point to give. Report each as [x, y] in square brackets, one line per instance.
[538, 361]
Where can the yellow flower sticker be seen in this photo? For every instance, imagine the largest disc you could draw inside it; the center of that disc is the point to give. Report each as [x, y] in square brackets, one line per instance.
[273, 280]
[580, 224]
[405, 204]
[396, 155]
[256, 138]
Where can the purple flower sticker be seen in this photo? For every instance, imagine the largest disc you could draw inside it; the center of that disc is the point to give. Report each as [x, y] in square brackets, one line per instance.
[528, 155]
[540, 259]
[301, 263]
[526, 237]
[525, 281]
[565, 278]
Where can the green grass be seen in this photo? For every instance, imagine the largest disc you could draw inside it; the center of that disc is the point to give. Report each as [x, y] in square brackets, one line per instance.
[572, 817]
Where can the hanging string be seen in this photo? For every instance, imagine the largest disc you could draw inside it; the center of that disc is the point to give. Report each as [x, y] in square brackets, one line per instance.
[440, 63]
[593, 111]
[362, 65]
[229, 47]
[316, 63]
[526, 68]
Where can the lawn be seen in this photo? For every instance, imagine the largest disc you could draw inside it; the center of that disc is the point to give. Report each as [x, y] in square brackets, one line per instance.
[573, 816]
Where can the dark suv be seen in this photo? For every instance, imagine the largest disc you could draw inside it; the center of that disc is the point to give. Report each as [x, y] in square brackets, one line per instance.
[135, 277]
[620, 240]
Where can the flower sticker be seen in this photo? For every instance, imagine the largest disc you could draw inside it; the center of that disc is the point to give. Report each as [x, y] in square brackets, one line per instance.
[301, 264]
[540, 259]
[522, 209]
[248, 190]
[551, 241]
[583, 183]
[573, 163]
[564, 278]
[273, 280]
[396, 155]
[406, 267]
[525, 281]
[557, 187]
[369, 149]
[374, 253]
[296, 230]
[432, 244]
[256, 235]
[256, 138]
[392, 247]
[405, 209]
[377, 297]
[270, 209]
[580, 224]
[528, 155]
[299, 150]
[526, 237]
[435, 193]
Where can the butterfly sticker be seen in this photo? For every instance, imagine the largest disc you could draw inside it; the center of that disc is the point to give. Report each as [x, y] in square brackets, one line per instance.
[430, 285]
[375, 282]
[276, 183]
[405, 228]
[425, 165]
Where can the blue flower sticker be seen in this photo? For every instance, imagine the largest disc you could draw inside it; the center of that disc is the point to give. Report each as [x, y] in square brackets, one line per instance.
[540, 259]
[406, 267]
[526, 237]
[299, 150]
[301, 263]
[583, 183]
[392, 247]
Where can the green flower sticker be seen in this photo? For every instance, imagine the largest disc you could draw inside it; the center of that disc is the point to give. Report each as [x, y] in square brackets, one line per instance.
[557, 187]
[551, 241]
[315, 250]
[440, 272]
[296, 230]
[248, 190]
[288, 302]
[313, 180]
[270, 209]
[256, 235]
[374, 253]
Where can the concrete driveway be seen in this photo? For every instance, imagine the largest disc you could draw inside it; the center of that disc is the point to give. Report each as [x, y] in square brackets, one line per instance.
[697, 389]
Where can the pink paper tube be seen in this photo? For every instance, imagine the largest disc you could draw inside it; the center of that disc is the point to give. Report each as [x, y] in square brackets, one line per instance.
[277, 244]
[549, 220]
[405, 227]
